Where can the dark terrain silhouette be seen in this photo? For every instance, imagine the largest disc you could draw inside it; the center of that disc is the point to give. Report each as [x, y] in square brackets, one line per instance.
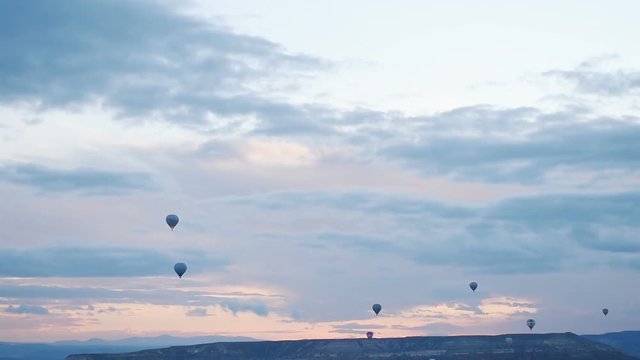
[524, 347]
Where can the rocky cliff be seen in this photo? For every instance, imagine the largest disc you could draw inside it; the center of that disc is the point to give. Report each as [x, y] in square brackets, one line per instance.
[523, 347]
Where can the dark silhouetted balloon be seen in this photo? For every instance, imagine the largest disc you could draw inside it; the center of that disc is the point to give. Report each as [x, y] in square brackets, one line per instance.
[473, 285]
[605, 311]
[531, 323]
[376, 308]
[172, 220]
[180, 268]
[509, 341]
[369, 335]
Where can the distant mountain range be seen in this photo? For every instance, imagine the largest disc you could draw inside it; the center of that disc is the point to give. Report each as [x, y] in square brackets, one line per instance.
[627, 342]
[521, 347]
[59, 350]
[162, 340]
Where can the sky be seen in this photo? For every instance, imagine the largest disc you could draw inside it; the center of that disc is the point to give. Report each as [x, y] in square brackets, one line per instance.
[322, 157]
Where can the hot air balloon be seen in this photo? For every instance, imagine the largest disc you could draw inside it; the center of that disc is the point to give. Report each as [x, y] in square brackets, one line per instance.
[473, 285]
[605, 311]
[376, 308]
[180, 269]
[509, 341]
[369, 335]
[531, 323]
[172, 220]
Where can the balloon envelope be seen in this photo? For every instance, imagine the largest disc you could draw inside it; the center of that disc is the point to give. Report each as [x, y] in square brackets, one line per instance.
[376, 308]
[473, 285]
[369, 335]
[508, 340]
[172, 220]
[605, 311]
[531, 323]
[180, 269]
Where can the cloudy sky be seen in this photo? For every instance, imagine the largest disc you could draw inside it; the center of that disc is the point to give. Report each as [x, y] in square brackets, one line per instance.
[322, 157]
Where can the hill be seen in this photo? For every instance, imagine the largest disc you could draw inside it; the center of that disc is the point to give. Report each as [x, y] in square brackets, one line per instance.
[524, 347]
[59, 350]
[626, 341]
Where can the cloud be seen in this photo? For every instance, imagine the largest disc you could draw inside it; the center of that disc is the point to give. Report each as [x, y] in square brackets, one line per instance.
[185, 70]
[61, 292]
[623, 240]
[156, 293]
[142, 59]
[27, 309]
[559, 210]
[357, 328]
[110, 309]
[234, 306]
[360, 242]
[372, 203]
[534, 211]
[517, 145]
[147, 63]
[197, 312]
[507, 306]
[259, 152]
[498, 256]
[534, 234]
[83, 180]
[100, 262]
[587, 80]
